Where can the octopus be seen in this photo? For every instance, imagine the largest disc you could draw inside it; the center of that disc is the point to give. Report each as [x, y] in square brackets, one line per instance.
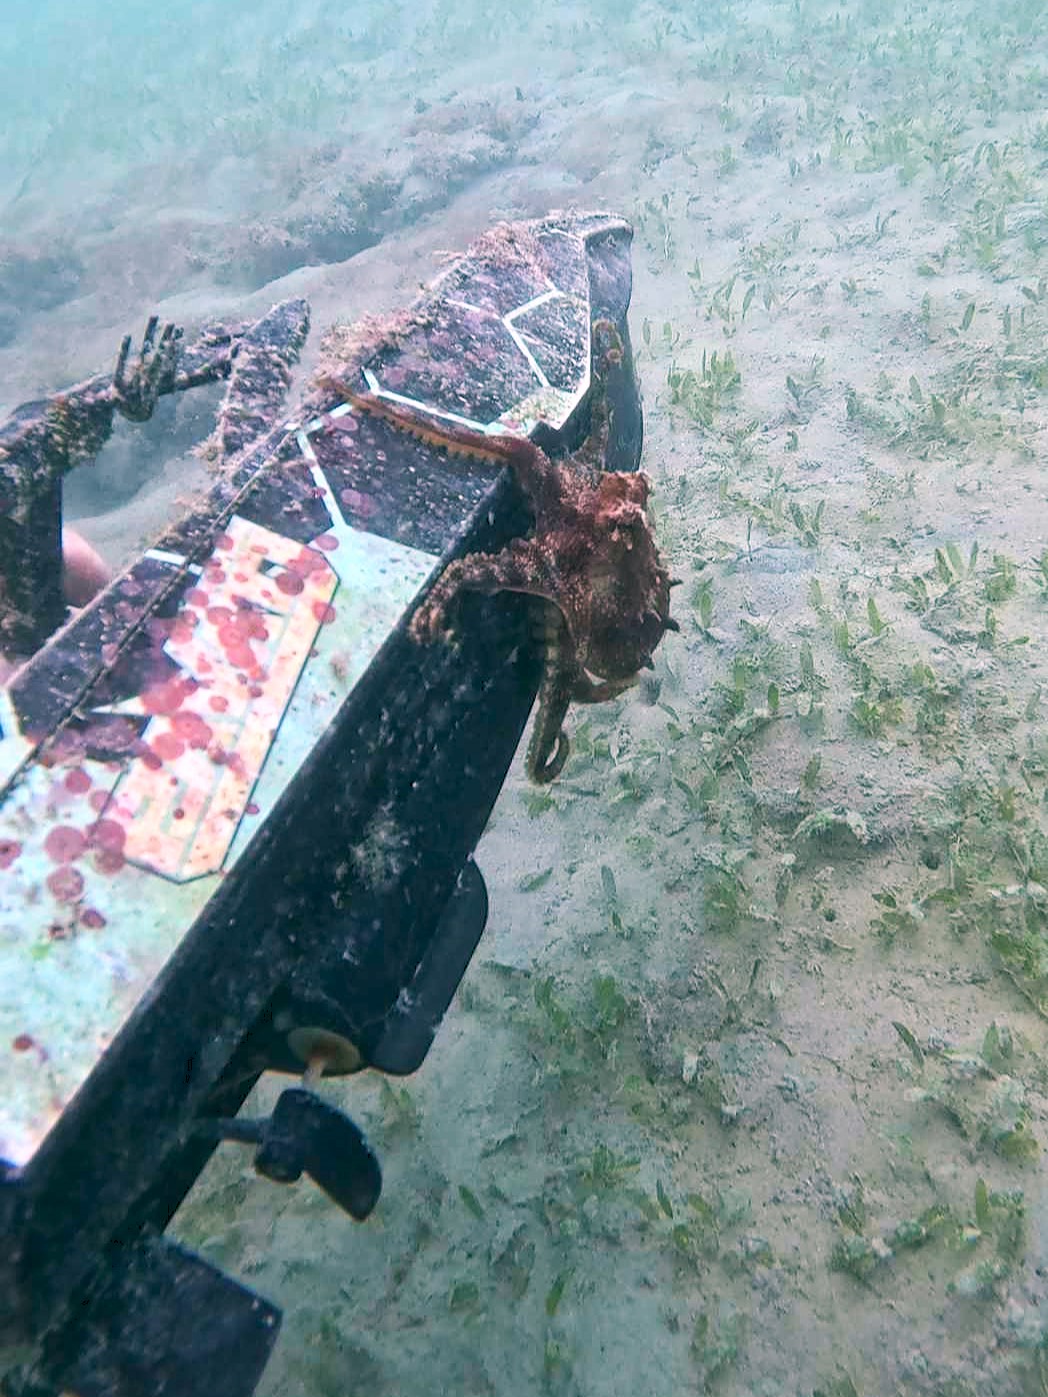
[592, 560]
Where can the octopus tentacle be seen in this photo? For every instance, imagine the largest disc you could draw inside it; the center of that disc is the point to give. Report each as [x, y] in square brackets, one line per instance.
[587, 690]
[536, 475]
[521, 567]
[548, 746]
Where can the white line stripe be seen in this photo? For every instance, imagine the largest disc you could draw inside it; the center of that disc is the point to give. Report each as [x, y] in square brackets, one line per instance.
[467, 305]
[538, 300]
[429, 410]
[159, 555]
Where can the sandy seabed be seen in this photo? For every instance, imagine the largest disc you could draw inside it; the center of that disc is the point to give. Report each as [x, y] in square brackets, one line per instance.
[761, 1005]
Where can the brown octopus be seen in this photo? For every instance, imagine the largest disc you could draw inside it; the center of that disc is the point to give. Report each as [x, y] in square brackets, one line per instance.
[592, 558]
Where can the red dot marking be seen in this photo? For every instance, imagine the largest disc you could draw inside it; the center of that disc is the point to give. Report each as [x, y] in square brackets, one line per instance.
[324, 613]
[109, 860]
[224, 542]
[178, 814]
[309, 561]
[219, 615]
[92, 919]
[77, 781]
[167, 747]
[108, 834]
[252, 808]
[241, 656]
[218, 703]
[23, 1042]
[98, 800]
[230, 634]
[328, 542]
[191, 728]
[65, 884]
[9, 851]
[166, 698]
[196, 596]
[64, 844]
[290, 584]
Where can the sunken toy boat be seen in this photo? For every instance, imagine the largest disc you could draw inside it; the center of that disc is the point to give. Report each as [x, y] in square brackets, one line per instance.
[241, 789]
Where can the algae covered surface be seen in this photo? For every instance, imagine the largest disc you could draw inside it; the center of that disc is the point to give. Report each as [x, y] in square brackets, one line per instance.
[745, 1090]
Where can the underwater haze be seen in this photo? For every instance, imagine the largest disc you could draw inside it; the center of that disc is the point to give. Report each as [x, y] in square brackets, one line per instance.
[746, 1089]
